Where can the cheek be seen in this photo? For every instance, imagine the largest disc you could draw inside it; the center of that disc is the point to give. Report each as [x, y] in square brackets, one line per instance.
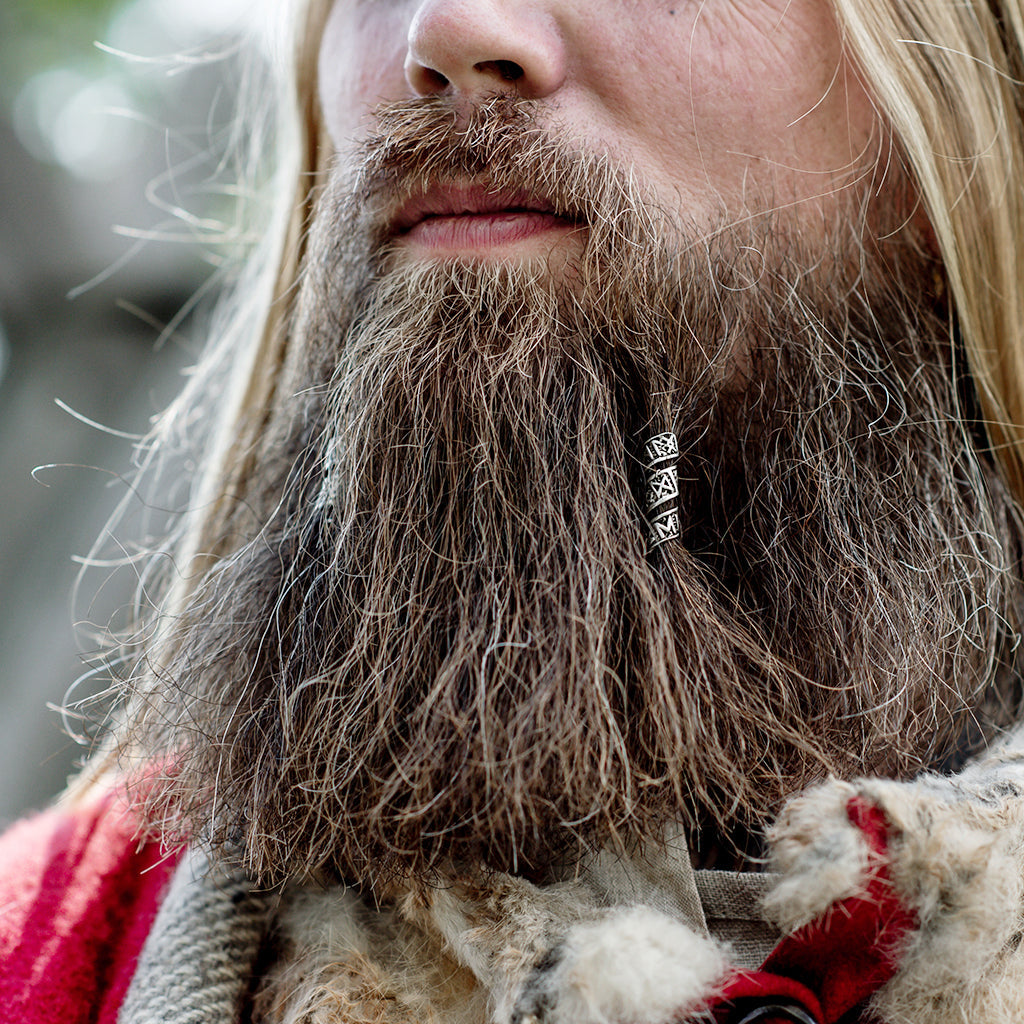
[360, 66]
[780, 94]
[729, 97]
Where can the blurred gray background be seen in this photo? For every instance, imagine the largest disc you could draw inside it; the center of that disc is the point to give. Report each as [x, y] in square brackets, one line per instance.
[108, 197]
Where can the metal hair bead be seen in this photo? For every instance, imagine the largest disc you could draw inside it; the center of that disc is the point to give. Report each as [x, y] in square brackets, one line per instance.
[661, 488]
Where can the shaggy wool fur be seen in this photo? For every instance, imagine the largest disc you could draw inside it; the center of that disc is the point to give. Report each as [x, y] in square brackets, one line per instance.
[497, 947]
[957, 860]
[446, 641]
[493, 947]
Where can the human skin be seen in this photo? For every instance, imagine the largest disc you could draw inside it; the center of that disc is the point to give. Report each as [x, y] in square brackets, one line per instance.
[722, 108]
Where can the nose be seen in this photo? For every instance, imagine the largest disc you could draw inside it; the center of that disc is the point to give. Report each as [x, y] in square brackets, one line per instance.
[475, 48]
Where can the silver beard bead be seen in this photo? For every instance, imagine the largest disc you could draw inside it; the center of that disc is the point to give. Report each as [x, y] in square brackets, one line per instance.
[661, 488]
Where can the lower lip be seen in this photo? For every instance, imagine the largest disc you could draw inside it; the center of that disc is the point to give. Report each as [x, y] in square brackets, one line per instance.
[482, 232]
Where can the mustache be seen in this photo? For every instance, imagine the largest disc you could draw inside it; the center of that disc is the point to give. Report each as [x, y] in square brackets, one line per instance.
[420, 144]
[635, 259]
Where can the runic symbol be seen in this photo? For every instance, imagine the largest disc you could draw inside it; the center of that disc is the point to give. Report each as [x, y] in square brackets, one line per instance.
[663, 527]
[661, 447]
[662, 484]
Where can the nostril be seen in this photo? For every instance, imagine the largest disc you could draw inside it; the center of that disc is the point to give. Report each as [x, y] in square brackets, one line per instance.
[434, 79]
[506, 70]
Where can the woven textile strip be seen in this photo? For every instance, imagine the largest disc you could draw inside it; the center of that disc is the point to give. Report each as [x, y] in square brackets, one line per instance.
[197, 964]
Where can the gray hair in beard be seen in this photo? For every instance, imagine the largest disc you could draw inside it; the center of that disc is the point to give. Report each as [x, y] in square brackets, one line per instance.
[448, 643]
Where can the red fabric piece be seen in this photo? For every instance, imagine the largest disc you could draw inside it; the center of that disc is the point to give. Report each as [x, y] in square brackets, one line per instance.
[834, 964]
[78, 895]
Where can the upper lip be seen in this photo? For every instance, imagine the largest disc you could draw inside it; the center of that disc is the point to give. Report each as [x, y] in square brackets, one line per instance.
[466, 200]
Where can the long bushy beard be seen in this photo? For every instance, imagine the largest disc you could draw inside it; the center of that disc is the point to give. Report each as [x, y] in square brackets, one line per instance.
[449, 640]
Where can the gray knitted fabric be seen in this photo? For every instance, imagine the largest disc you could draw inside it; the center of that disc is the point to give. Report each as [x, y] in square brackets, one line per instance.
[197, 962]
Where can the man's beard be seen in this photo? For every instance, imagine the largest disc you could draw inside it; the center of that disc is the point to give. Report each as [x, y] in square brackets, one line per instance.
[449, 641]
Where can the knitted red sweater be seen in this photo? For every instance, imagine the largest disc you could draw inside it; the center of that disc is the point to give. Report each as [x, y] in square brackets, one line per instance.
[78, 895]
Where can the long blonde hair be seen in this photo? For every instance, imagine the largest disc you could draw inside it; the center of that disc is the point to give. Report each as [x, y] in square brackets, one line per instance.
[947, 77]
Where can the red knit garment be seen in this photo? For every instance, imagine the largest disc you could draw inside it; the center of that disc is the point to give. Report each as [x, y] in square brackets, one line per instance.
[78, 895]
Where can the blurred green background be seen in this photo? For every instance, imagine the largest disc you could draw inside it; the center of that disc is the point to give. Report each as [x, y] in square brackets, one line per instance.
[111, 200]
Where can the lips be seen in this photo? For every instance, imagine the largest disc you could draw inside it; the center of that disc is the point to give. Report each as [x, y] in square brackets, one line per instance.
[472, 220]
[469, 201]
